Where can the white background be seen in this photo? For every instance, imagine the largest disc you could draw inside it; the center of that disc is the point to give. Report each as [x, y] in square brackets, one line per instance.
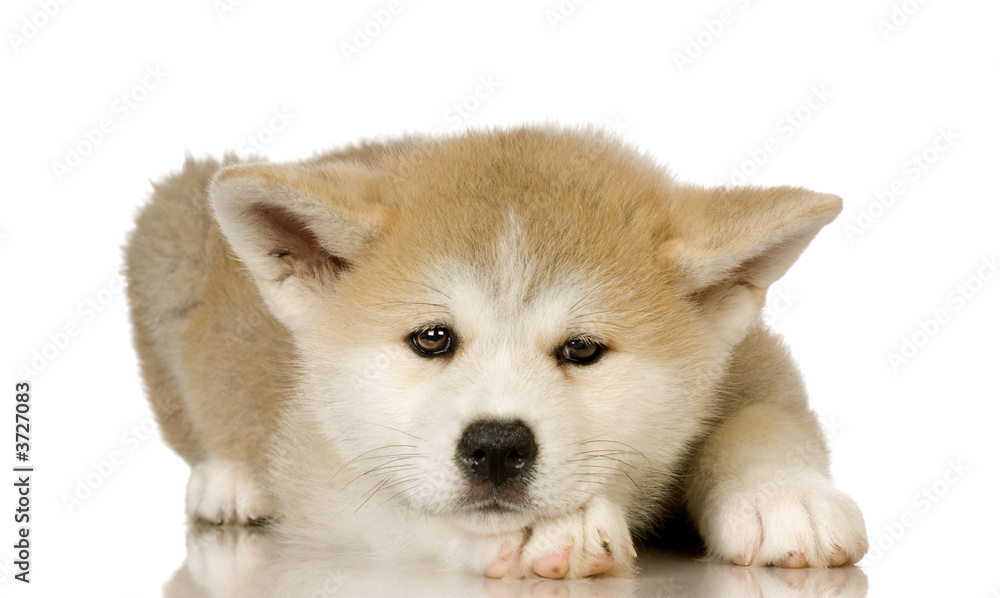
[880, 94]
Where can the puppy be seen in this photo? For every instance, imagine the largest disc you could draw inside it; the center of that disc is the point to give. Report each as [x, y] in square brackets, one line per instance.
[508, 351]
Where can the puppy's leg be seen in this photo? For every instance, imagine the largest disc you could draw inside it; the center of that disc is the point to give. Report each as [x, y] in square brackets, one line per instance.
[214, 359]
[760, 490]
[224, 491]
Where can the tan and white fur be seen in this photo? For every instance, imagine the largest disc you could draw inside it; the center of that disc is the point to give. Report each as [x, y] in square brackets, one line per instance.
[275, 308]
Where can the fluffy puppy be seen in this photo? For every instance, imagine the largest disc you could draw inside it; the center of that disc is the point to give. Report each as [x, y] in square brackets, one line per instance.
[507, 351]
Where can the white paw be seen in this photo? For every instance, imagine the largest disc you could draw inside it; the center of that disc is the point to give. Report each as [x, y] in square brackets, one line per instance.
[591, 541]
[802, 521]
[222, 491]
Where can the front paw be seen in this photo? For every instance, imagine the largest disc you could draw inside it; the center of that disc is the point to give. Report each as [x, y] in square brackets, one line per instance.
[584, 543]
[221, 491]
[793, 523]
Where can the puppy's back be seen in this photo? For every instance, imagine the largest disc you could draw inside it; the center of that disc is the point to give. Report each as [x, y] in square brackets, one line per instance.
[213, 358]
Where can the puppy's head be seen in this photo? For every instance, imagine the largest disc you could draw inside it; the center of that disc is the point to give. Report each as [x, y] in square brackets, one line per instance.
[497, 326]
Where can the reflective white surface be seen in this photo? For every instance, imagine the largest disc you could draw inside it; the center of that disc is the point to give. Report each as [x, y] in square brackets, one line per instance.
[247, 562]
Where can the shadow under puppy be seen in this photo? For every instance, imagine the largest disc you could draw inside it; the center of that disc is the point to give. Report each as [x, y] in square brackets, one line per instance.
[507, 351]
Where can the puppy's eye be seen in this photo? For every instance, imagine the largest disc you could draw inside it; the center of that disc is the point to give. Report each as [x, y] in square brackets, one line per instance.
[432, 342]
[580, 351]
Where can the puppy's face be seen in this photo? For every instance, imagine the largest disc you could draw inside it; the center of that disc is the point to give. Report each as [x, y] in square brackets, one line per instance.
[504, 385]
[497, 327]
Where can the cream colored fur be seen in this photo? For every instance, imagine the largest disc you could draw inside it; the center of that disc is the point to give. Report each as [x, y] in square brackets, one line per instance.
[272, 306]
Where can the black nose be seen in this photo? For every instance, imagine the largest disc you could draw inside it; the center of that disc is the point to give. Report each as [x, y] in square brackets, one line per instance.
[497, 450]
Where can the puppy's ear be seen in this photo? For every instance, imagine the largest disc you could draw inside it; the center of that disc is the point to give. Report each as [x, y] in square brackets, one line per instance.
[297, 228]
[727, 246]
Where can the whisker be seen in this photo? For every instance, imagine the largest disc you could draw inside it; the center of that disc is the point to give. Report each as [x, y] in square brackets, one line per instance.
[393, 455]
[631, 480]
[391, 468]
[412, 478]
[395, 430]
[585, 440]
[625, 463]
[372, 493]
[614, 469]
[600, 453]
[637, 452]
[398, 494]
[375, 469]
[608, 467]
[369, 452]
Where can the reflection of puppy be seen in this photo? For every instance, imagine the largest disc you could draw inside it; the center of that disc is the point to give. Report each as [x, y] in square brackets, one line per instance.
[510, 350]
[245, 562]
